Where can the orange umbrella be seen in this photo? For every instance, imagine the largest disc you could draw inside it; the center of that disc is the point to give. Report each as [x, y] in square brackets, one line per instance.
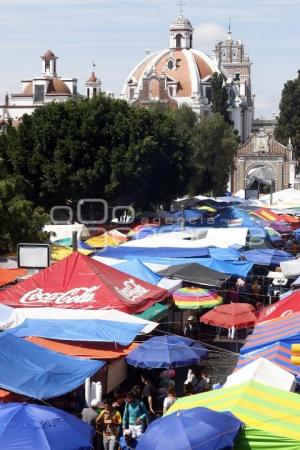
[238, 315]
[9, 275]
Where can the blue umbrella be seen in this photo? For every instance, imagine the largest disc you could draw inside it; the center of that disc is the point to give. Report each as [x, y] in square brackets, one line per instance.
[195, 428]
[165, 352]
[34, 427]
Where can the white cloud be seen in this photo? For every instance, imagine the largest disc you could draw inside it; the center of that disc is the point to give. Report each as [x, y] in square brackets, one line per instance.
[206, 35]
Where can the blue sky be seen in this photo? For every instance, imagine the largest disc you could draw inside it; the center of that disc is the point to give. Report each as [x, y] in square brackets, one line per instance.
[116, 34]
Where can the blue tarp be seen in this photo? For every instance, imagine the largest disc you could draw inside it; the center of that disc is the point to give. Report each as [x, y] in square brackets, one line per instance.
[86, 330]
[28, 369]
[126, 252]
[139, 270]
[224, 254]
[238, 268]
[267, 257]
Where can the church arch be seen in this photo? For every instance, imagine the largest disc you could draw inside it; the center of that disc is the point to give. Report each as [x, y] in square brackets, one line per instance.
[179, 38]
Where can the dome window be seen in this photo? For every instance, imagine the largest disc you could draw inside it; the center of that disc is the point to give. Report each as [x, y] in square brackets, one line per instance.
[171, 64]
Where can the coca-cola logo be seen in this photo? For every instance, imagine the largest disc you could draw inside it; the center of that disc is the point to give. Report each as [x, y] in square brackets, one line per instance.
[131, 290]
[73, 296]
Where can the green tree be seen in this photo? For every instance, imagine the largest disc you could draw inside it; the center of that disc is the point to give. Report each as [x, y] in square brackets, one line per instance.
[20, 221]
[219, 96]
[215, 145]
[101, 148]
[288, 125]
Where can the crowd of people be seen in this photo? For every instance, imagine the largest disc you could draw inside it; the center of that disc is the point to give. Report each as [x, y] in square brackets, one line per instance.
[120, 419]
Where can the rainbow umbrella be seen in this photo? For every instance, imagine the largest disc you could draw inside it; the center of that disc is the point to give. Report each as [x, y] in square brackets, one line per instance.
[195, 298]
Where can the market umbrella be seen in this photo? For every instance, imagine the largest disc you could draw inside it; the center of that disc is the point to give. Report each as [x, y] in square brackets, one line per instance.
[163, 352]
[280, 227]
[196, 428]
[238, 315]
[34, 427]
[195, 298]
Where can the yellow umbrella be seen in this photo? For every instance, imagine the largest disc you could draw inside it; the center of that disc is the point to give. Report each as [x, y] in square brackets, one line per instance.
[58, 253]
[105, 240]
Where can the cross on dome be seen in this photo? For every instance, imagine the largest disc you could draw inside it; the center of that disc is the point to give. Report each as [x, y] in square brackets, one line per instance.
[181, 4]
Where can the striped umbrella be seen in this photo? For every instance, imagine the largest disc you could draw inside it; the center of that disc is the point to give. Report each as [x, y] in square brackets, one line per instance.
[271, 415]
[195, 298]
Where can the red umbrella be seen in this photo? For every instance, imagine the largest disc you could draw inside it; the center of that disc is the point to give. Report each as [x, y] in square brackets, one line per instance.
[238, 315]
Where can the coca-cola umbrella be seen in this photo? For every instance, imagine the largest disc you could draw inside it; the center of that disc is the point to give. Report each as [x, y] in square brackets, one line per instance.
[237, 315]
[82, 283]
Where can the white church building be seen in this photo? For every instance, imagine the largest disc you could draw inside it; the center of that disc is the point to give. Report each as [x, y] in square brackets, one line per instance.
[46, 88]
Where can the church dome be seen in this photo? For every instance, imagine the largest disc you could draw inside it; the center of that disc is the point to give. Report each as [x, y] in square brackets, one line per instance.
[48, 55]
[187, 69]
[177, 75]
[181, 23]
[92, 78]
[57, 86]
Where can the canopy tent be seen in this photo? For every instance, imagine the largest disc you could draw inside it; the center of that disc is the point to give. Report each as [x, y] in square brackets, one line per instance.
[290, 268]
[89, 330]
[194, 273]
[271, 416]
[9, 275]
[184, 243]
[82, 283]
[266, 214]
[137, 268]
[280, 227]
[263, 371]
[274, 236]
[34, 371]
[126, 252]
[165, 352]
[8, 262]
[157, 264]
[12, 317]
[262, 174]
[155, 312]
[60, 252]
[267, 257]
[286, 329]
[278, 353]
[105, 240]
[193, 429]
[286, 306]
[34, 427]
[237, 268]
[91, 350]
[59, 232]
